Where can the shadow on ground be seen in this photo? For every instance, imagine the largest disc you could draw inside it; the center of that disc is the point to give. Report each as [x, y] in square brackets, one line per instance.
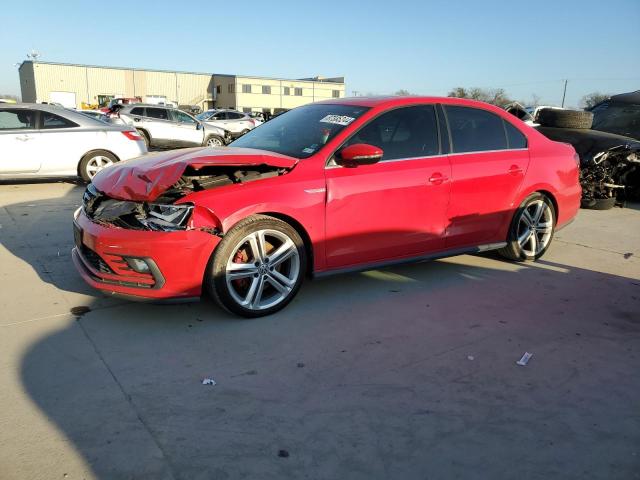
[406, 372]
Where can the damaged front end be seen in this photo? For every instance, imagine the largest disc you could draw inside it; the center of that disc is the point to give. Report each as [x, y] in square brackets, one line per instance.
[163, 214]
[613, 174]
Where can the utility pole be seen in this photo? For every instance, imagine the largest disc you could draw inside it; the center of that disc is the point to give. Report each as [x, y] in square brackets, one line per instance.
[564, 93]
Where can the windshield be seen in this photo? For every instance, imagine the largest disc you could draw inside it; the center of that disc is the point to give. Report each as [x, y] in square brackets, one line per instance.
[204, 115]
[619, 118]
[303, 131]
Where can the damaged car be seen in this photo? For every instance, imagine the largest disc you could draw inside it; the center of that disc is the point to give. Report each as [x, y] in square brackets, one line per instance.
[607, 139]
[341, 185]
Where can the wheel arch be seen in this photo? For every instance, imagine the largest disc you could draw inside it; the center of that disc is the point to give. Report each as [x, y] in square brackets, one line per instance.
[94, 151]
[308, 245]
[544, 190]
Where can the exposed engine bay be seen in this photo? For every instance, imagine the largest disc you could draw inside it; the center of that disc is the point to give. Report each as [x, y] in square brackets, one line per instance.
[613, 173]
[162, 214]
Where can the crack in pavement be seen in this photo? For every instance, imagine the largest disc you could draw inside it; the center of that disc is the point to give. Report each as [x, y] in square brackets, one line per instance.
[593, 248]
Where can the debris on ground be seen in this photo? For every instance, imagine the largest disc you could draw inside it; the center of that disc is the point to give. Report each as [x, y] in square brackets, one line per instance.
[80, 310]
[208, 381]
[470, 357]
[283, 453]
[300, 365]
[627, 255]
[525, 359]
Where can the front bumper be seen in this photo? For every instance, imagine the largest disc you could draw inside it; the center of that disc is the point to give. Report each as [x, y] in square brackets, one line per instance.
[176, 260]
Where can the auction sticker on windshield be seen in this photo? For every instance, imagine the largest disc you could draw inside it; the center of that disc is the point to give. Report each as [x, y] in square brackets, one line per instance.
[338, 119]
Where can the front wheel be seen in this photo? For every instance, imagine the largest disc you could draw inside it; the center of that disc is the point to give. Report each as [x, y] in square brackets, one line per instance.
[258, 267]
[531, 229]
[214, 141]
[93, 162]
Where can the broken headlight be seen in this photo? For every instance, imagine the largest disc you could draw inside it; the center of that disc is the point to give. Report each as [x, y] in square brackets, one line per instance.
[166, 217]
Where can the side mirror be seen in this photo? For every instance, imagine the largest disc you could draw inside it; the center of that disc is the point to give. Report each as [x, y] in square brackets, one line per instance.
[359, 154]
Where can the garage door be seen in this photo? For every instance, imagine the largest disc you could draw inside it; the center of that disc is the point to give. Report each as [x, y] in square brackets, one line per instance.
[66, 99]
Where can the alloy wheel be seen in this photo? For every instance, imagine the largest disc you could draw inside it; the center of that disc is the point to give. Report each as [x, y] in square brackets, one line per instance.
[535, 228]
[214, 142]
[263, 269]
[96, 164]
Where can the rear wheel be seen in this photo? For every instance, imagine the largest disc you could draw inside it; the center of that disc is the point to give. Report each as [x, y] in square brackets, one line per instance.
[258, 267]
[145, 137]
[95, 161]
[531, 229]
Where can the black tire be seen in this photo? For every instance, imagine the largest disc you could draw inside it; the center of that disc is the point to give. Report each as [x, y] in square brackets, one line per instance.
[598, 203]
[85, 168]
[145, 137]
[244, 132]
[513, 250]
[550, 117]
[233, 246]
[215, 140]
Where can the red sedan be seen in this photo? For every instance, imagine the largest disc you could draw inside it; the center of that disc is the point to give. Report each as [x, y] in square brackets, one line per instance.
[348, 184]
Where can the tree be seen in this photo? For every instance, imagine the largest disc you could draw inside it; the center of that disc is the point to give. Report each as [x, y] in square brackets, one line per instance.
[403, 93]
[495, 96]
[592, 99]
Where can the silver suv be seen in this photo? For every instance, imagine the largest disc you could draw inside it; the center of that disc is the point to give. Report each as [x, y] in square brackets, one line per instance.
[235, 122]
[162, 126]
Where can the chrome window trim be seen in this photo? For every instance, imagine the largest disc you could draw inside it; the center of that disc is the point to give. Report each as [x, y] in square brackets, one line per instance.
[407, 159]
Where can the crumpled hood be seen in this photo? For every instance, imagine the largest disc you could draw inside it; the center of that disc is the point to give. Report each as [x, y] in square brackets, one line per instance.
[147, 177]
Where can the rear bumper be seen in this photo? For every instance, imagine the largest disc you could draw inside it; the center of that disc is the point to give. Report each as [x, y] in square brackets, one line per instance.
[176, 260]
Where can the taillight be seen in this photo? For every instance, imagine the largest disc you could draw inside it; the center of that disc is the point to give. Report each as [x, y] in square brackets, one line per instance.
[132, 135]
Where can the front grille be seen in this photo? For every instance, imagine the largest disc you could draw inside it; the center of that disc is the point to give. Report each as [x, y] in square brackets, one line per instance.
[95, 260]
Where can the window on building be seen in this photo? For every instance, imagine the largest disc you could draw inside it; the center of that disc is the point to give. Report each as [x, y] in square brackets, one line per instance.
[475, 130]
[50, 121]
[297, 92]
[230, 88]
[335, 93]
[246, 109]
[218, 89]
[266, 90]
[18, 119]
[515, 138]
[402, 133]
[286, 91]
[246, 88]
[159, 113]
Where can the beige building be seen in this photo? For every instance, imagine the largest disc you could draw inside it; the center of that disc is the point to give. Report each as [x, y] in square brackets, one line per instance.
[74, 85]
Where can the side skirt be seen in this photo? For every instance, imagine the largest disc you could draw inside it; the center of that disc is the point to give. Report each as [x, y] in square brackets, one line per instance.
[420, 258]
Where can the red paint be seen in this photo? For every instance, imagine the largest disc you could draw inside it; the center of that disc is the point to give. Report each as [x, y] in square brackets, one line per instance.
[352, 216]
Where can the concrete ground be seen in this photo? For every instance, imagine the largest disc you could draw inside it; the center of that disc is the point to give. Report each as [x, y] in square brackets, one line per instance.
[402, 373]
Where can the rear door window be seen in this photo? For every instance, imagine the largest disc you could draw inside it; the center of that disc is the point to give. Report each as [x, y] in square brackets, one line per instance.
[475, 130]
[402, 133]
[515, 138]
[18, 119]
[137, 111]
[159, 113]
[51, 121]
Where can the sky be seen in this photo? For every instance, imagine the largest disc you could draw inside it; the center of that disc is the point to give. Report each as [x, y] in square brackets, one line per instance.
[526, 47]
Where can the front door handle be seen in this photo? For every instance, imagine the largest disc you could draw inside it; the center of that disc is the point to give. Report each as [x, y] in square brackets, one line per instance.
[437, 178]
[515, 170]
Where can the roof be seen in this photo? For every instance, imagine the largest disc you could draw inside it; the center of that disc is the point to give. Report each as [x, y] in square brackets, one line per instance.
[631, 97]
[319, 80]
[394, 100]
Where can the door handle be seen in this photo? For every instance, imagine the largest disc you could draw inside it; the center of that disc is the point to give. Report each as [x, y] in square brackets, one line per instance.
[515, 169]
[437, 178]
[136, 119]
[24, 138]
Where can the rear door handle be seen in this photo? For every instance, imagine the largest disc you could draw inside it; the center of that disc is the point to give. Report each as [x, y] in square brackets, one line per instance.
[437, 178]
[515, 169]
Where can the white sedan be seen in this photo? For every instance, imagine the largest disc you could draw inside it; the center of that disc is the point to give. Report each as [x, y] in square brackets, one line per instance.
[46, 141]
